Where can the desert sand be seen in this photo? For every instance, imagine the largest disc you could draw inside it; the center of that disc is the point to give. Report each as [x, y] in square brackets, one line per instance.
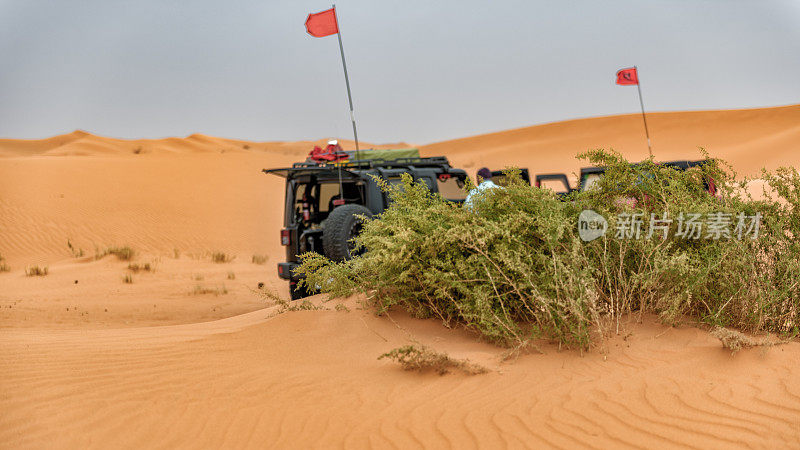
[191, 354]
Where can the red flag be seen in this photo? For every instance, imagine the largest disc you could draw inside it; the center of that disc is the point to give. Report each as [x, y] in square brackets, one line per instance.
[322, 24]
[627, 76]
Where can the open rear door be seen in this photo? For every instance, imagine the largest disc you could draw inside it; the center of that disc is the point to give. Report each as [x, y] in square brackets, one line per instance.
[557, 182]
[499, 178]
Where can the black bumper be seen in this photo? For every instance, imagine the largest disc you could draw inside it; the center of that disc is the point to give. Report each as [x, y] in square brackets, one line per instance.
[286, 270]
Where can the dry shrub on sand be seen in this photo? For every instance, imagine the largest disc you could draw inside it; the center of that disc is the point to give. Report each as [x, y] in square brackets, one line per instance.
[260, 259]
[122, 253]
[135, 267]
[220, 257]
[36, 271]
[735, 341]
[3, 266]
[76, 252]
[420, 358]
[202, 290]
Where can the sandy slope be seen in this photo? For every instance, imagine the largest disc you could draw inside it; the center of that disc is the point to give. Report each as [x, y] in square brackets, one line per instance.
[101, 363]
[311, 378]
[749, 139]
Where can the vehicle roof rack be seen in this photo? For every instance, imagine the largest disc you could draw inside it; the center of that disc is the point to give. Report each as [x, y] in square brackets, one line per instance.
[434, 161]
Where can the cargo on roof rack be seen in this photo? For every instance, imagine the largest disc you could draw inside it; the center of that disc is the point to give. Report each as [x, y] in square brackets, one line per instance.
[385, 154]
[434, 161]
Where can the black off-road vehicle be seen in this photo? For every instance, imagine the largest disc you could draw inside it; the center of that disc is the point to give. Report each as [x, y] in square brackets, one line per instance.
[590, 175]
[324, 200]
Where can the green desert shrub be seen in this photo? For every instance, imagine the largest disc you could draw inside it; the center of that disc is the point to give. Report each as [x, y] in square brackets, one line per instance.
[751, 284]
[514, 268]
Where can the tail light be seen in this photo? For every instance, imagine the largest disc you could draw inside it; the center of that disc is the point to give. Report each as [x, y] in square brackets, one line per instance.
[538, 183]
[286, 237]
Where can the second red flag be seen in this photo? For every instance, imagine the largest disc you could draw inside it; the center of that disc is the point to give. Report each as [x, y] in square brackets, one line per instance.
[627, 76]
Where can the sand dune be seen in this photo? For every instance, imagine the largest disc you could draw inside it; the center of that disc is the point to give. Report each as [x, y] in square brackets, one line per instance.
[193, 355]
[82, 143]
[749, 139]
[311, 378]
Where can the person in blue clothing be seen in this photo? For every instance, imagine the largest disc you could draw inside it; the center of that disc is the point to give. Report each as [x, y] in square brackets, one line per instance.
[485, 178]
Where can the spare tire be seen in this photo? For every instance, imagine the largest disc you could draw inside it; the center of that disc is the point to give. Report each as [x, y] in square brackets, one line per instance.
[341, 226]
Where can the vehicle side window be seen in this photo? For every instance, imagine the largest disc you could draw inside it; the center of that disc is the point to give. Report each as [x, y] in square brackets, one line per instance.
[451, 188]
[288, 219]
[395, 181]
[590, 181]
[428, 181]
[556, 186]
[500, 180]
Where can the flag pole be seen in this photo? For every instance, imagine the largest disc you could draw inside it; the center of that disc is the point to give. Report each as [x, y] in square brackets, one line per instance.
[641, 103]
[346, 80]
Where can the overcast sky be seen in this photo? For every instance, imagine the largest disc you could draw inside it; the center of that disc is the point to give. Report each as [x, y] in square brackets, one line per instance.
[421, 71]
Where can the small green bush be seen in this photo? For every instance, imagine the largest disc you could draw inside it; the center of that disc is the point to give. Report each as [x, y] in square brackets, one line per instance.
[514, 268]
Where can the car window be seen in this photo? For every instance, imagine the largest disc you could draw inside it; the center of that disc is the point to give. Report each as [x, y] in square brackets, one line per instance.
[326, 192]
[590, 181]
[556, 186]
[500, 180]
[395, 181]
[451, 188]
[428, 181]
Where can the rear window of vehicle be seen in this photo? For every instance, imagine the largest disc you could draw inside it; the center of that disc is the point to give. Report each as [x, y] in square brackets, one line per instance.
[326, 192]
